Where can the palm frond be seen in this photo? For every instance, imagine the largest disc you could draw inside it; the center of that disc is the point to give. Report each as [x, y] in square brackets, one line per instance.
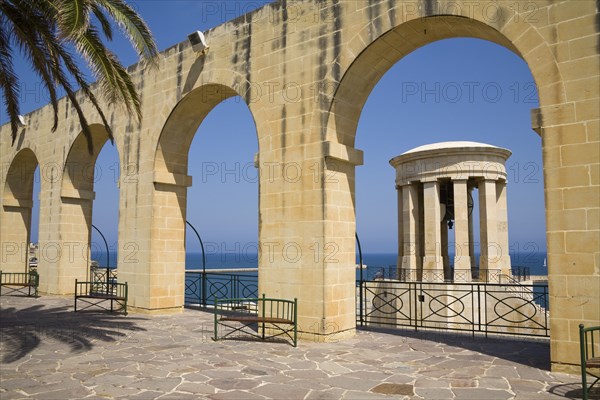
[73, 17]
[71, 66]
[134, 27]
[8, 80]
[28, 31]
[44, 30]
[104, 22]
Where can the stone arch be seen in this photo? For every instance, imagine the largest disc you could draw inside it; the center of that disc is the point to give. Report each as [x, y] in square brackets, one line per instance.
[363, 61]
[181, 125]
[79, 169]
[17, 204]
[71, 260]
[165, 279]
[375, 58]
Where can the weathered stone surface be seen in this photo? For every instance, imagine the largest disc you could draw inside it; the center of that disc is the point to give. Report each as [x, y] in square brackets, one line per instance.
[279, 391]
[481, 394]
[393, 388]
[363, 368]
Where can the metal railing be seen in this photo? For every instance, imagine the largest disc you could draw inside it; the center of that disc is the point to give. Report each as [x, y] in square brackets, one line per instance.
[225, 283]
[473, 307]
[449, 276]
[526, 291]
[521, 273]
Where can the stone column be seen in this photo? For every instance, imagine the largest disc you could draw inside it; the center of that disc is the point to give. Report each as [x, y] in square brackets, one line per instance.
[444, 248]
[400, 231]
[15, 211]
[471, 234]
[501, 205]
[68, 258]
[432, 259]
[157, 284]
[14, 234]
[410, 221]
[488, 227]
[463, 228]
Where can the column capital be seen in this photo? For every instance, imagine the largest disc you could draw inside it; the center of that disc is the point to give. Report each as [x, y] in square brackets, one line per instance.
[407, 184]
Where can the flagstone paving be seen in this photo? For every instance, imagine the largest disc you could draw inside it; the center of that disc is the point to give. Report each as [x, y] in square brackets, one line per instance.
[49, 352]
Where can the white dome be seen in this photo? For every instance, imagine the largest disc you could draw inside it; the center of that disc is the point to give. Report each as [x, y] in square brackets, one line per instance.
[448, 145]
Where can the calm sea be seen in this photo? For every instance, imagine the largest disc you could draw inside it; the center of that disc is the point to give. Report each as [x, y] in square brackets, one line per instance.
[534, 261]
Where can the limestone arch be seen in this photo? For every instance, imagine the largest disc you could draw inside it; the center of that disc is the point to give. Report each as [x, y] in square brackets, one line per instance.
[17, 204]
[72, 259]
[379, 54]
[79, 168]
[171, 180]
[181, 125]
[365, 60]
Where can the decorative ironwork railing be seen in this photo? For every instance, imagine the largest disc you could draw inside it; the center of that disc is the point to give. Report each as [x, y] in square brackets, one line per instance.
[98, 279]
[474, 307]
[451, 275]
[240, 283]
[521, 273]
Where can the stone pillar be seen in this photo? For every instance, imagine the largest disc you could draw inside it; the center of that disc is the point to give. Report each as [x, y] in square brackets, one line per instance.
[471, 234]
[432, 259]
[488, 227]
[68, 258]
[501, 204]
[15, 211]
[410, 220]
[158, 286]
[14, 234]
[463, 229]
[400, 231]
[444, 249]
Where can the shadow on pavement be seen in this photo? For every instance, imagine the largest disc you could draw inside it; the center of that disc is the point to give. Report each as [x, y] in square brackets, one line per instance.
[574, 391]
[531, 352]
[24, 330]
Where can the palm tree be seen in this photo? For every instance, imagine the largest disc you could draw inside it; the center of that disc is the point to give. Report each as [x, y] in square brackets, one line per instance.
[45, 32]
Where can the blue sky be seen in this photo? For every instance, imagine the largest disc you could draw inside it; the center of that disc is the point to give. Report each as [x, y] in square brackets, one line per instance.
[458, 89]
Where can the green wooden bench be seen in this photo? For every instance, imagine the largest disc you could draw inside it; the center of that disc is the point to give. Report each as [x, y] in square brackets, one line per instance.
[589, 340]
[20, 282]
[96, 294]
[262, 318]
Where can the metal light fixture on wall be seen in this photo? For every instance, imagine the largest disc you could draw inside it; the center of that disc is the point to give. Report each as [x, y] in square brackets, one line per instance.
[21, 121]
[198, 42]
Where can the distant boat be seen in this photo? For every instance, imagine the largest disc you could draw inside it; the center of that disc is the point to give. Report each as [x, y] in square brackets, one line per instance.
[545, 263]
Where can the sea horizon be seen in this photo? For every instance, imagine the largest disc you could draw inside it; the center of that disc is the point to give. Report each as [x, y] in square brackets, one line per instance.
[534, 261]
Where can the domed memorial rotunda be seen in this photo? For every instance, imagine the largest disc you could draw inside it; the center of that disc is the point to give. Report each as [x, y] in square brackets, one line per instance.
[435, 185]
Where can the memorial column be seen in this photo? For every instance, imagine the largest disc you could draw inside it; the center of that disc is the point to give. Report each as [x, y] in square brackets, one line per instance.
[463, 228]
[432, 259]
[410, 219]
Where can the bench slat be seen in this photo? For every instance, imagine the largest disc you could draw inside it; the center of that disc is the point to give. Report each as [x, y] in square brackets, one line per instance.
[86, 290]
[24, 280]
[279, 313]
[593, 362]
[257, 319]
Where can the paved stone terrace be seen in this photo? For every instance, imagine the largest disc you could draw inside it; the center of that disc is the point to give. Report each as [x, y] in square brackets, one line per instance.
[49, 352]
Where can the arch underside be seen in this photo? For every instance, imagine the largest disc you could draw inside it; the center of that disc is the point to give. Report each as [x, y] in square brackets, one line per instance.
[166, 270]
[17, 204]
[75, 218]
[381, 55]
[340, 121]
